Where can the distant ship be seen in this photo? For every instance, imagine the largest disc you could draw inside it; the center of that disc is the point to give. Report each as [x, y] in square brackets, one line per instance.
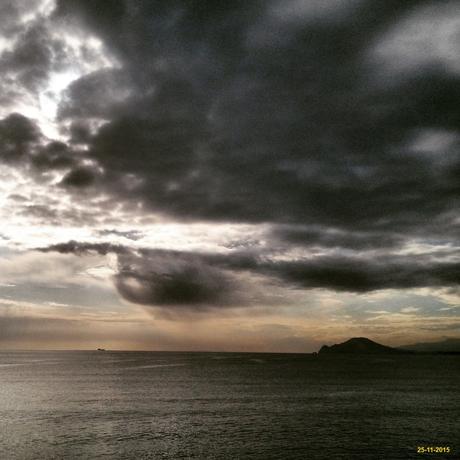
[101, 349]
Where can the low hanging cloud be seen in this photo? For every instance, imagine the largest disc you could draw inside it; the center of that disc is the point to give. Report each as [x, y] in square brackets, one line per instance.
[173, 278]
[164, 278]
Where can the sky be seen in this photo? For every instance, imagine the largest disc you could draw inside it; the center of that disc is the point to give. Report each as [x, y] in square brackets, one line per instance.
[231, 176]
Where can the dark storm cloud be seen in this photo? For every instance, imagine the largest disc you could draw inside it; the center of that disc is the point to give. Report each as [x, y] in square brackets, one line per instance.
[234, 113]
[334, 273]
[173, 280]
[79, 133]
[364, 275]
[79, 177]
[54, 155]
[333, 238]
[31, 59]
[347, 273]
[80, 248]
[22, 143]
[246, 112]
[17, 135]
[99, 94]
[161, 277]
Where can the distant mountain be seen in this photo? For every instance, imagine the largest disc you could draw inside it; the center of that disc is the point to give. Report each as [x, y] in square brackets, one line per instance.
[445, 346]
[359, 346]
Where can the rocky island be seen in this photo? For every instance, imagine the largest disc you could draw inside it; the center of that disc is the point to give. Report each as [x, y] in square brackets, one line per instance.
[359, 346]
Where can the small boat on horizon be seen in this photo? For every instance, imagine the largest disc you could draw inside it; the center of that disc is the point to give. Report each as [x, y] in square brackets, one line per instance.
[101, 349]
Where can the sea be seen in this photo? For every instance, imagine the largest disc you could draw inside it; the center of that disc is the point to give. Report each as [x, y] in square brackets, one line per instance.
[171, 405]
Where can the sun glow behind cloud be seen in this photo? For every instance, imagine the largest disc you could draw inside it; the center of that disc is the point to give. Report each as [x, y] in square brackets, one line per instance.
[84, 54]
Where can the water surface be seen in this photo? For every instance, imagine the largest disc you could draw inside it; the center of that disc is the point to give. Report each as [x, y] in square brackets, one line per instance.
[142, 405]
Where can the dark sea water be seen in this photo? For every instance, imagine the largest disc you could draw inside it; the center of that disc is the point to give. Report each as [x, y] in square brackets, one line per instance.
[132, 405]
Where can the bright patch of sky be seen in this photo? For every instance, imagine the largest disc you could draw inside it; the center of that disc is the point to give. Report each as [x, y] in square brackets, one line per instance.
[86, 54]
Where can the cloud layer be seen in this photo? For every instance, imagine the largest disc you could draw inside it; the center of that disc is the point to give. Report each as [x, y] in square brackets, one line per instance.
[330, 129]
[168, 278]
[237, 113]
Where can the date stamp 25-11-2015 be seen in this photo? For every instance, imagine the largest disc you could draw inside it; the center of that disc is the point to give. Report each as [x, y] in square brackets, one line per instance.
[434, 450]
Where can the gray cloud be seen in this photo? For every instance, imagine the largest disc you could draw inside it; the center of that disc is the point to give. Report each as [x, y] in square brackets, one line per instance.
[22, 142]
[361, 274]
[80, 248]
[17, 135]
[173, 280]
[290, 131]
[158, 277]
[333, 238]
[237, 112]
[32, 57]
[31, 51]
[163, 278]
[54, 155]
[79, 177]
[100, 94]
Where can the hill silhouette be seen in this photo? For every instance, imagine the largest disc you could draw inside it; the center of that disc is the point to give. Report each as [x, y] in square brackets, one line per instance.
[359, 346]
